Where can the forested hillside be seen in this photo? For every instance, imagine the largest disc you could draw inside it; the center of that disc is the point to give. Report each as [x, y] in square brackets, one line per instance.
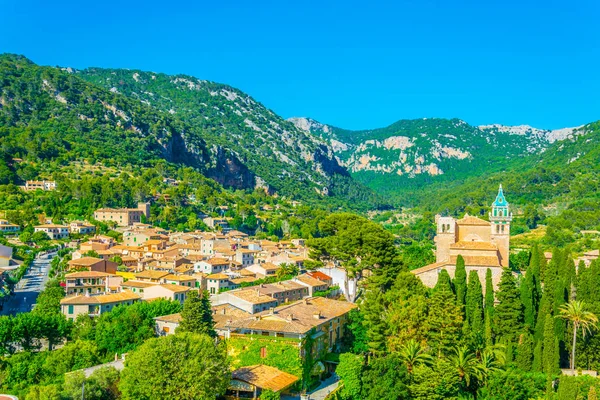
[413, 154]
[284, 158]
[52, 115]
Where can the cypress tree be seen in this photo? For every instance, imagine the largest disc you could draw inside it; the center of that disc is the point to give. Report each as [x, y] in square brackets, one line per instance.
[550, 347]
[525, 352]
[196, 316]
[474, 303]
[530, 297]
[508, 314]
[444, 282]
[537, 357]
[488, 312]
[460, 281]
[489, 292]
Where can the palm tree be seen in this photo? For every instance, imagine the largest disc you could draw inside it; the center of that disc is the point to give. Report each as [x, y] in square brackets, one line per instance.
[575, 312]
[490, 361]
[466, 364]
[413, 354]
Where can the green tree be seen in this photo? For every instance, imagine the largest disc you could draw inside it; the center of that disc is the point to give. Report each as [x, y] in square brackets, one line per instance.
[444, 323]
[157, 369]
[550, 356]
[269, 395]
[530, 297]
[474, 304]
[196, 316]
[444, 281]
[508, 314]
[350, 371]
[412, 354]
[575, 312]
[465, 364]
[460, 281]
[384, 378]
[357, 244]
[525, 351]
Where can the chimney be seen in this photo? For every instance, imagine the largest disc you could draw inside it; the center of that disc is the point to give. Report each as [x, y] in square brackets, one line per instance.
[290, 317]
[317, 315]
[272, 310]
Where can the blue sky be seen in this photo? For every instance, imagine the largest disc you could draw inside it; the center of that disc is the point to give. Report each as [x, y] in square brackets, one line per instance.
[351, 64]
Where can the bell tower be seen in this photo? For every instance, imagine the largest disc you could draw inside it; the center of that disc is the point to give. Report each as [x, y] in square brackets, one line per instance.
[500, 219]
[445, 237]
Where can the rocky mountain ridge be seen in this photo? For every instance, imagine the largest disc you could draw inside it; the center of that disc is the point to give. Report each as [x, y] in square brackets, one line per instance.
[431, 147]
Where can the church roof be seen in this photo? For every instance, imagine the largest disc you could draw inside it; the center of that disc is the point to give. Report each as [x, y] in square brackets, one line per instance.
[471, 220]
[470, 245]
[477, 261]
[500, 199]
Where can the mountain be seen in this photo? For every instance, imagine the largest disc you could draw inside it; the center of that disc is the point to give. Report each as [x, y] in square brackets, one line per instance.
[135, 117]
[412, 154]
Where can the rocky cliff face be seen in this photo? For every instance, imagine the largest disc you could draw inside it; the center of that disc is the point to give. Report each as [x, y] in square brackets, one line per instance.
[430, 147]
[276, 153]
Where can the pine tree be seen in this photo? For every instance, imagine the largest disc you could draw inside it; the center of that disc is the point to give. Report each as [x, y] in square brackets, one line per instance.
[460, 281]
[444, 281]
[508, 314]
[196, 316]
[474, 303]
[549, 349]
[525, 352]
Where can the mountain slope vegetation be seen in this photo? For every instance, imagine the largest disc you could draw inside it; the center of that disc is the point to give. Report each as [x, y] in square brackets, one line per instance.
[412, 154]
[284, 158]
[54, 114]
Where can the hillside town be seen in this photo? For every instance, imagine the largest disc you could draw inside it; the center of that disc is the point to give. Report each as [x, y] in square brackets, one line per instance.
[256, 287]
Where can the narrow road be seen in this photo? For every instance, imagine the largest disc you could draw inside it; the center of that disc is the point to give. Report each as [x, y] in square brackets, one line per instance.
[28, 288]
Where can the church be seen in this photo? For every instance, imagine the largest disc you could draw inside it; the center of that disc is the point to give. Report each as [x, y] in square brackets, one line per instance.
[483, 245]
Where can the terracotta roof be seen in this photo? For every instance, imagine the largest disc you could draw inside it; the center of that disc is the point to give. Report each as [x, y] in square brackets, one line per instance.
[172, 277]
[309, 280]
[299, 317]
[238, 281]
[474, 245]
[150, 274]
[482, 261]
[319, 275]
[88, 274]
[137, 284]
[223, 314]
[430, 267]
[173, 318]
[86, 261]
[252, 296]
[175, 288]
[265, 377]
[217, 261]
[125, 295]
[217, 276]
[52, 226]
[471, 220]
[269, 266]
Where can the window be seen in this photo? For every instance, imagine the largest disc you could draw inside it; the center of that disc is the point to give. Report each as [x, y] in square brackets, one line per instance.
[70, 310]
